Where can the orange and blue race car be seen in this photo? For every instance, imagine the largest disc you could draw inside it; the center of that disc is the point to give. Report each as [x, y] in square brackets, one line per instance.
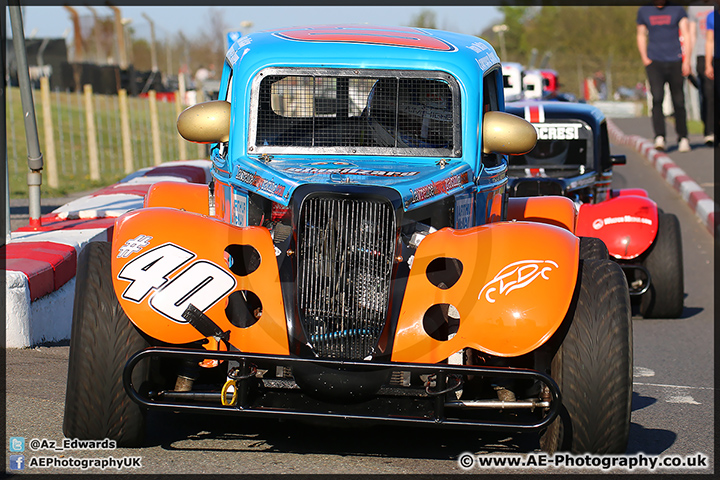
[355, 258]
[572, 158]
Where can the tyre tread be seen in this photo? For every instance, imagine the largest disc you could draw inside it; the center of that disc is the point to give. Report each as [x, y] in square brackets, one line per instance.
[664, 261]
[102, 340]
[593, 366]
[592, 248]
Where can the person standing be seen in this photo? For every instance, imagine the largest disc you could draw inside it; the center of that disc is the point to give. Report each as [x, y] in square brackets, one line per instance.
[711, 54]
[661, 53]
[697, 15]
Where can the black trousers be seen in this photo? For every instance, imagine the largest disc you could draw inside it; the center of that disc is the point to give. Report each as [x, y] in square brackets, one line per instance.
[660, 73]
[706, 88]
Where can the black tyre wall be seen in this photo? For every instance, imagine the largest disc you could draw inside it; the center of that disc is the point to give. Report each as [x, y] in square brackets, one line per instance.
[102, 340]
[593, 366]
[664, 261]
[592, 248]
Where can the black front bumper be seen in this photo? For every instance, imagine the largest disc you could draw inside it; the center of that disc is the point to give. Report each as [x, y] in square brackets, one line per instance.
[390, 405]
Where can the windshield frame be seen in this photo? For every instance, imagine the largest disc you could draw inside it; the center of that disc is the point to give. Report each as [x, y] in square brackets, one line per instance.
[254, 148]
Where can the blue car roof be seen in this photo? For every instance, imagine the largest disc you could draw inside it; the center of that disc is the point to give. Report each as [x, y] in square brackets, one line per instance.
[364, 46]
[466, 58]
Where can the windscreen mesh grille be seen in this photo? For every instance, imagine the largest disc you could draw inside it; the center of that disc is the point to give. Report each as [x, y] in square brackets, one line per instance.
[345, 257]
[357, 112]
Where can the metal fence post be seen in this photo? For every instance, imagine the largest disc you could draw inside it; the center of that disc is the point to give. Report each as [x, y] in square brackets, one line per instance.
[154, 127]
[125, 131]
[182, 152]
[8, 233]
[50, 158]
[201, 147]
[91, 133]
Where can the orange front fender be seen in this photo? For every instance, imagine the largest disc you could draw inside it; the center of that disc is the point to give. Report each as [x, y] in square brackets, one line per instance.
[165, 259]
[553, 210]
[191, 197]
[516, 286]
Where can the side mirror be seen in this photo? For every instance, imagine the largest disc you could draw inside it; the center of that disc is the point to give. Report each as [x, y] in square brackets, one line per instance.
[507, 134]
[207, 122]
[618, 159]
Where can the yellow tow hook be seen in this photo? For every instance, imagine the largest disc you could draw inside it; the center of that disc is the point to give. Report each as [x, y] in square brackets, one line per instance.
[233, 376]
[223, 395]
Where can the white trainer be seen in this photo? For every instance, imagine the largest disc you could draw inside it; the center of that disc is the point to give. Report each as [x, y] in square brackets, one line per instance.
[709, 139]
[684, 145]
[660, 143]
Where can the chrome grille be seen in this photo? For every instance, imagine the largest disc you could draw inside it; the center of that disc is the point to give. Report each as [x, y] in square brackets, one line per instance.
[345, 257]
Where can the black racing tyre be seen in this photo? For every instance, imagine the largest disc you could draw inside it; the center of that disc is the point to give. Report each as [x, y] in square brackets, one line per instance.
[593, 366]
[664, 261]
[592, 248]
[102, 340]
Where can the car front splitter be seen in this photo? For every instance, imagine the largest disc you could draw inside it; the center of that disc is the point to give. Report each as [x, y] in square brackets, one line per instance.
[391, 405]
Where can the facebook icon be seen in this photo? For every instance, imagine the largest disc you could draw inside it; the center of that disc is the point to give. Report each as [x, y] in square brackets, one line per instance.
[17, 462]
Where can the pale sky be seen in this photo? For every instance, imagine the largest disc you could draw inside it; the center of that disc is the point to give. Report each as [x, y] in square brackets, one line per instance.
[54, 21]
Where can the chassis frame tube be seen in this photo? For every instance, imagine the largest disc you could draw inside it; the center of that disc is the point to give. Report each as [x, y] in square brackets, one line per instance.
[439, 420]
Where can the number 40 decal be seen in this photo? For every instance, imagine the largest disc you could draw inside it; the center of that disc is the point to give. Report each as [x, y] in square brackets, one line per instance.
[203, 283]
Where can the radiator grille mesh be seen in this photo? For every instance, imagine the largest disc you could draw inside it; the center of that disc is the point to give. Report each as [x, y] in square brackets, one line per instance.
[345, 257]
